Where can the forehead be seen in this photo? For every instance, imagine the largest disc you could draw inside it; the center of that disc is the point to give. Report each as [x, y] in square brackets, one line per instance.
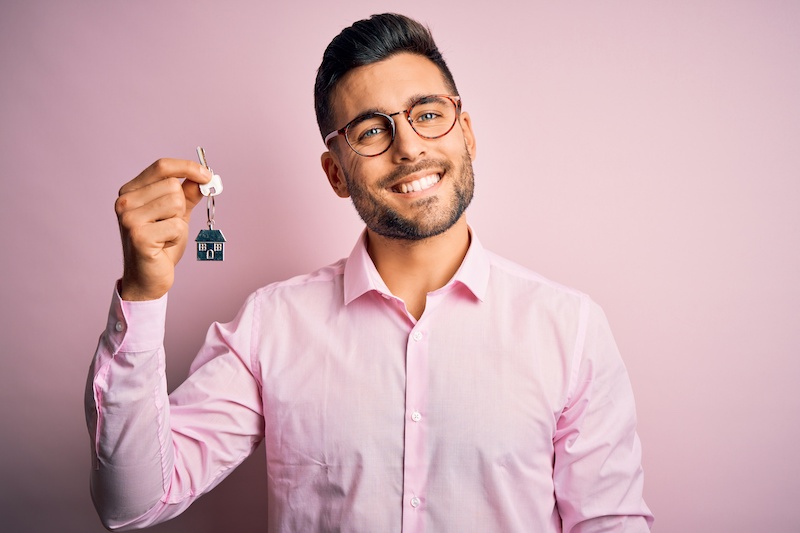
[387, 85]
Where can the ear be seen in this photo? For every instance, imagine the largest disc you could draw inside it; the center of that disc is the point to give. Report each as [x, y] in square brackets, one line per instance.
[333, 170]
[469, 135]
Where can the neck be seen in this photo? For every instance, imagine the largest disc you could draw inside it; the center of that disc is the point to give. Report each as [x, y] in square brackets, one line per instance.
[412, 269]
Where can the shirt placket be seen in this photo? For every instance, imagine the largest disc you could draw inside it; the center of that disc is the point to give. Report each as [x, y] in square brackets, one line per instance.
[415, 461]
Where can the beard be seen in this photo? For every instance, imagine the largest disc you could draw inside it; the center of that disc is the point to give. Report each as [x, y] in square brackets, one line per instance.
[431, 219]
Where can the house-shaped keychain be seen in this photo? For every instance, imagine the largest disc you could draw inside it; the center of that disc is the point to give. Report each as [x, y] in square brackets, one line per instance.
[210, 245]
[210, 242]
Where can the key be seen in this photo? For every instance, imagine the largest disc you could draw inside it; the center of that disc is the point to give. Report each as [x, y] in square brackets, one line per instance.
[213, 187]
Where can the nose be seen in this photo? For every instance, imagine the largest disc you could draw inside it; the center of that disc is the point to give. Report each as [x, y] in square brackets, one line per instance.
[407, 145]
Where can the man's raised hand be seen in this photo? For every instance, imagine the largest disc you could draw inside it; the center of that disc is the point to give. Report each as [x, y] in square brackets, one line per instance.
[153, 211]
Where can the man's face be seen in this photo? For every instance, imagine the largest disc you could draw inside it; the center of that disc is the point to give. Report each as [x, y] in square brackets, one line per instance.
[436, 173]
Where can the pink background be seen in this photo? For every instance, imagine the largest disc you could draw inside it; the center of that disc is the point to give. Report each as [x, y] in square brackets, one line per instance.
[645, 152]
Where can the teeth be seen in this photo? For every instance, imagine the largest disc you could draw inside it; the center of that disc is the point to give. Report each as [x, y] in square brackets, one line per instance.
[418, 185]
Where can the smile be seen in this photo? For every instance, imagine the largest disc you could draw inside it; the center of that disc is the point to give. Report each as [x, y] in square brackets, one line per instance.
[417, 185]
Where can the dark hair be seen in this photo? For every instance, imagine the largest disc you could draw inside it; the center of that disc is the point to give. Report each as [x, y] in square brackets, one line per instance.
[369, 41]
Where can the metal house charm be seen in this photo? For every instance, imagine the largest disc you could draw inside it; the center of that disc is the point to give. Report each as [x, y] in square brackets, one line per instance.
[210, 245]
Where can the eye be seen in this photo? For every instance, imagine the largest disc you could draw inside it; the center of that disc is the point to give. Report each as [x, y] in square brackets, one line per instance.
[371, 132]
[431, 111]
[427, 115]
[369, 129]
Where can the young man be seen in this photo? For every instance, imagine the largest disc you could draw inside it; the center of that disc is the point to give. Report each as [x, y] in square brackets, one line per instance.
[421, 384]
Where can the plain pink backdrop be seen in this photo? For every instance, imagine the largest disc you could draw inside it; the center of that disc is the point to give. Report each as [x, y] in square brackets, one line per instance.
[647, 153]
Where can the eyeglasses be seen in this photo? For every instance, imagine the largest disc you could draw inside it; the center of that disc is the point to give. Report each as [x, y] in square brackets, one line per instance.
[371, 134]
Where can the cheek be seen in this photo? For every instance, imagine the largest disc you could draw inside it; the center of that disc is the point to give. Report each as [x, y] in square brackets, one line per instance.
[360, 172]
[455, 144]
[356, 167]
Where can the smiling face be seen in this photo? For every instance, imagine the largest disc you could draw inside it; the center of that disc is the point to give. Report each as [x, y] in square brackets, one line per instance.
[419, 187]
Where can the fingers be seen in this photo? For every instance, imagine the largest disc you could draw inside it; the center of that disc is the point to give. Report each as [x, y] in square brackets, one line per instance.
[159, 189]
[156, 201]
[167, 168]
[150, 253]
[150, 240]
[192, 194]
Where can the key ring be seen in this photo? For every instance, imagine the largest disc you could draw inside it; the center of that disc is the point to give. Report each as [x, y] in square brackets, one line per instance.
[210, 211]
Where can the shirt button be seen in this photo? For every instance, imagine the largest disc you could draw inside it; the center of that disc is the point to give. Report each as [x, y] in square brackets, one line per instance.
[119, 326]
[415, 502]
[417, 336]
[416, 416]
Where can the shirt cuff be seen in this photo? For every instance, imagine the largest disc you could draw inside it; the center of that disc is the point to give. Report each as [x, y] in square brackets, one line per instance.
[135, 326]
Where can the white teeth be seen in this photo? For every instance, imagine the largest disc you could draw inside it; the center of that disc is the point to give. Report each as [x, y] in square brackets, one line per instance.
[419, 185]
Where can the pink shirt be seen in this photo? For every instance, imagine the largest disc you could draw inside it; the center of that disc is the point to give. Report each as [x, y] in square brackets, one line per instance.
[505, 408]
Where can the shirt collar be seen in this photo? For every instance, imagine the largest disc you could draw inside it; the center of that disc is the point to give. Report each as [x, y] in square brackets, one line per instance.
[361, 276]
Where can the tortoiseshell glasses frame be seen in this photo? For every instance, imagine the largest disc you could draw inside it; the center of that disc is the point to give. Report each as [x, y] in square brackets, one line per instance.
[371, 134]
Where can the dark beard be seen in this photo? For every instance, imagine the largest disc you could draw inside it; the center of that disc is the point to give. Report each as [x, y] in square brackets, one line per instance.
[385, 221]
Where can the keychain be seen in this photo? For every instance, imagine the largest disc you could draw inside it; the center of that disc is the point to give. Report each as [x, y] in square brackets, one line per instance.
[210, 242]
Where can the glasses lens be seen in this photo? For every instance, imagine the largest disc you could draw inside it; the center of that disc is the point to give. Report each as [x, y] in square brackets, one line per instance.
[433, 116]
[370, 134]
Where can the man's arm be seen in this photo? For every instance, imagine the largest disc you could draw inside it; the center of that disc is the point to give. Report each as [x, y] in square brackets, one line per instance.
[153, 455]
[150, 459]
[125, 395]
[597, 473]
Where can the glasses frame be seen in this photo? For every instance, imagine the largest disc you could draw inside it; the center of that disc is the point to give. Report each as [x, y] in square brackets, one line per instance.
[455, 99]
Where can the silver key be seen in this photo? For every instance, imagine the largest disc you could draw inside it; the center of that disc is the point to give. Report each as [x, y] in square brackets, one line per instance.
[213, 187]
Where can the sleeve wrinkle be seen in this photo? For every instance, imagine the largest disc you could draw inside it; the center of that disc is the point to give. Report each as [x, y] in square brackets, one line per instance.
[152, 457]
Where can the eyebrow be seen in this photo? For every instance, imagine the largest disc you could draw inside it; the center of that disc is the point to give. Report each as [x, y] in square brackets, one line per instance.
[411, 100]
[415, 99]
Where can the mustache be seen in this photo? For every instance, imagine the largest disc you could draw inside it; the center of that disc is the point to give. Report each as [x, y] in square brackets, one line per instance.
[406, 170]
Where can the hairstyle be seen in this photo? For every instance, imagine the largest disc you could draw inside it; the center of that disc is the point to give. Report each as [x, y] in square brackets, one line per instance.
[369, 41]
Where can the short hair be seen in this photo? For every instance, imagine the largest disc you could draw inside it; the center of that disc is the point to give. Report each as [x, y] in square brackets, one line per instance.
[369, 41]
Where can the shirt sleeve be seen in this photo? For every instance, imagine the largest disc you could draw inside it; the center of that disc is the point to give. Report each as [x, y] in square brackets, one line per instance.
[597, 471]
[154, 454]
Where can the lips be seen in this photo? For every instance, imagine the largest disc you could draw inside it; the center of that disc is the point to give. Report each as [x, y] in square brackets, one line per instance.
[419, 184]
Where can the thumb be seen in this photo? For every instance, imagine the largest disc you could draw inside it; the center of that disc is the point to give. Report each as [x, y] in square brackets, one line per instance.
[191, 191]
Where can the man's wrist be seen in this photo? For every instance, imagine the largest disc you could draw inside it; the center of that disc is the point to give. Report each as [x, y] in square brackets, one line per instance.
[132, 292]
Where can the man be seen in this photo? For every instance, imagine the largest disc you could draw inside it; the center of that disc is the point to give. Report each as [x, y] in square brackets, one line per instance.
[421, 384]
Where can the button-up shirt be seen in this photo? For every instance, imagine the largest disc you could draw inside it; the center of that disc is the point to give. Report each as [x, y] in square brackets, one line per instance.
[505, 408]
